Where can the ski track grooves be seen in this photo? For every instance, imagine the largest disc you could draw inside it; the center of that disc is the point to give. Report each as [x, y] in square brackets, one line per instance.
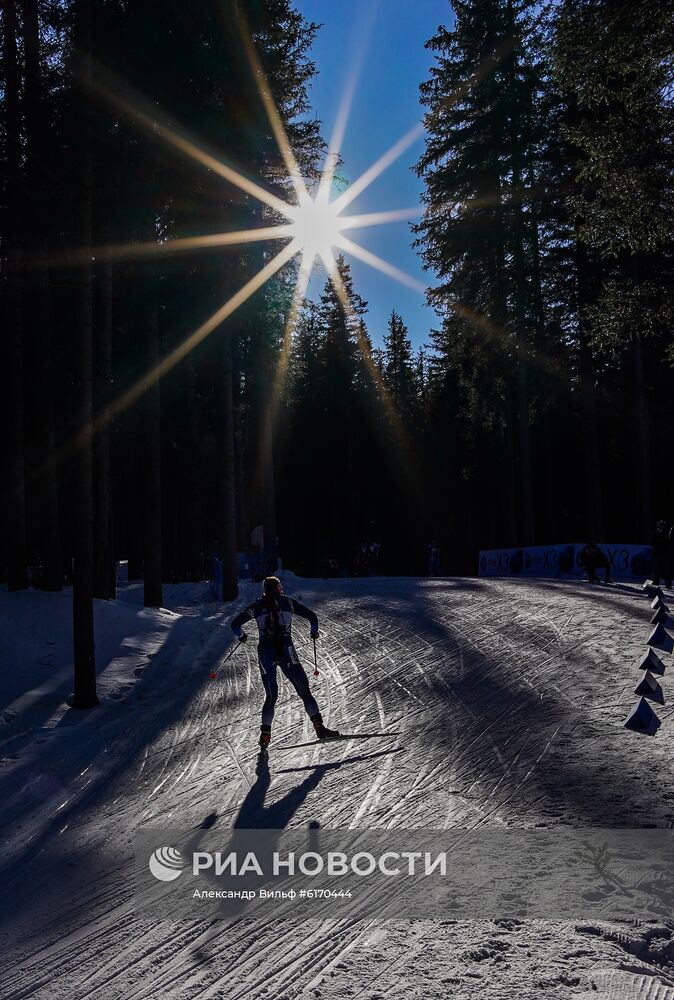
[459, 671]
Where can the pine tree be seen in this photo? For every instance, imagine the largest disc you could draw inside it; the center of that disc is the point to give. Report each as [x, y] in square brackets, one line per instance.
[398, 370]
[614, 61]
[473, 235]
[38, 313]
[15, 511]
[83, 548]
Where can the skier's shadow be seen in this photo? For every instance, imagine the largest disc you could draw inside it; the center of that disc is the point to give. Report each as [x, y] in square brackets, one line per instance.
[254, 815]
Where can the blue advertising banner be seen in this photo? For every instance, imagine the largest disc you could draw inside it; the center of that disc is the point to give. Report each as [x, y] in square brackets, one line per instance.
[627, 561]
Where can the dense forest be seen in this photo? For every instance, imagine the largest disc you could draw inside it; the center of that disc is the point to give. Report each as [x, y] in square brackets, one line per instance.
[145, 422]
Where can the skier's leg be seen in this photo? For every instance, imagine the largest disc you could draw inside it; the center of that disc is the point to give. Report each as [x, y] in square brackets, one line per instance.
[268, 664]
[294, 671]
[663, 571]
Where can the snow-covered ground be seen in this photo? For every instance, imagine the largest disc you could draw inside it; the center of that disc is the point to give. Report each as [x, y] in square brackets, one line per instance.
[511, 697]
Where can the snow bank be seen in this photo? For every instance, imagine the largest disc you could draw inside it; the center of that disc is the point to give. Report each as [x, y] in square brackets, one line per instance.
[36, 649]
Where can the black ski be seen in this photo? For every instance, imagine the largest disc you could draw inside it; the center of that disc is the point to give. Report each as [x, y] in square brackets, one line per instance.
[336, 739]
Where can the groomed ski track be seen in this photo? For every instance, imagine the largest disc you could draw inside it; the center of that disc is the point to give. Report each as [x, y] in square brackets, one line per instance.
[511, 697]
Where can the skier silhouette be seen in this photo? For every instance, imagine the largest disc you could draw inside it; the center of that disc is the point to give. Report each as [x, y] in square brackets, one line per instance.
[273, 614]
[592, 558]
[662, 554]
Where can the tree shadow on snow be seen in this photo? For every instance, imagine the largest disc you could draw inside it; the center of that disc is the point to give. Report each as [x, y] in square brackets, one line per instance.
[513, 714]
[108, 741]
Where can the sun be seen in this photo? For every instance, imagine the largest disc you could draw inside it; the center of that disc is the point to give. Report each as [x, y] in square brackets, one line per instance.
[315, 226]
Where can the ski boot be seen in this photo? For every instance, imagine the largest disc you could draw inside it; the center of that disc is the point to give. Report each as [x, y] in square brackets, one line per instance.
[322, 732]
[265, 738]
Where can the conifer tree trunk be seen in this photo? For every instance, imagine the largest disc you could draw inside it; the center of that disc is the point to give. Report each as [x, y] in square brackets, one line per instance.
[534, 236]
[526, 484]
[551, 504]
[242, 485]
[592, 485]
[585, 279]
[195, 554]
[14, 529]
[267, 485]
[228, 521]
[135, 487]
[151, 457]
[508, 460]
[264, 498]
[521, 345]
[549, 490]
[508, 453]
[83, 564]
[104, 561]
[521, 349]
[39, 285]
[644, 470]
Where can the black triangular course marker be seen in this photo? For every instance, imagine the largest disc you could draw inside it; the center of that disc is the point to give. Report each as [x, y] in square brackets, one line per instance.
[658, 602]
[651, 661]
[660, 617]
[652, 589]
[661, 639]
[649, 688]
[642, 719]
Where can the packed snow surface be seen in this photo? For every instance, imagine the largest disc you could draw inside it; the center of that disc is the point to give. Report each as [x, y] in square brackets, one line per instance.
[510, 696]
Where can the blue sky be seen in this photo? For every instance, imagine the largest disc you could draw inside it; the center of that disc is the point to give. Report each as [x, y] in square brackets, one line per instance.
[386, 105]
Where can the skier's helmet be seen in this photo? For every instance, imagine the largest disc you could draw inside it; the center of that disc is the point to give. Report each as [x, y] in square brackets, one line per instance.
[272, 586]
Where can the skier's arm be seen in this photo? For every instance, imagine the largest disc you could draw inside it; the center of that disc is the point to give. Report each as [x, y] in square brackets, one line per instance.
[304, 612]
[239, 621]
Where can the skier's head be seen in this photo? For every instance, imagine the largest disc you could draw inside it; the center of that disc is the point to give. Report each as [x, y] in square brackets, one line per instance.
[272, 586]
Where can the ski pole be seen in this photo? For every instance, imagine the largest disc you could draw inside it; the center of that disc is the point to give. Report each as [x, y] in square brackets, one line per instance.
[214, 673]
[315, 658]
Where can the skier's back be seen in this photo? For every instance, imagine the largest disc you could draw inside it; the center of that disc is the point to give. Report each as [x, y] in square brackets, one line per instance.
[273, 614]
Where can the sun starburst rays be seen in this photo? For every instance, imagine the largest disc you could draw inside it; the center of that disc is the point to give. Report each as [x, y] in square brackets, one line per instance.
[379, 263]
[312, 223]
